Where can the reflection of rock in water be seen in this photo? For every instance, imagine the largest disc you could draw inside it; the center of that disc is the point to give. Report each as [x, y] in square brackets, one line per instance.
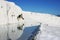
[16, 33]
[20, 27]
[8, 39]
[13, 32]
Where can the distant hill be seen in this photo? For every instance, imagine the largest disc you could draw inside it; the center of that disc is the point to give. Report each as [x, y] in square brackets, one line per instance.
[58, 15]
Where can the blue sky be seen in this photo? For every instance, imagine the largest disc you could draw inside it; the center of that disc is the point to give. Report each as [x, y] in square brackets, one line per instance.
[42, 6]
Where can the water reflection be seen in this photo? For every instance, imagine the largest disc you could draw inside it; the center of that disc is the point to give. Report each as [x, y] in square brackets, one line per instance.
[29, 32]
[10, 32]
[14, 32]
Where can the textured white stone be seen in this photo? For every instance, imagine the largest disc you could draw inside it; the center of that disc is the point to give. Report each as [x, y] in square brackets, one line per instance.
[9, 12]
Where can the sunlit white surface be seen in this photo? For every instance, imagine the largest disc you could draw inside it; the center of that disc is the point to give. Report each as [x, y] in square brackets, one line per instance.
[48, 33]
[32, 17]
[9, 12]
[50, 27]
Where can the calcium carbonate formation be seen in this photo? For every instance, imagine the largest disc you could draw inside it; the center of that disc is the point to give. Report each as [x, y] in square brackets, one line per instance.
[13, 18]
